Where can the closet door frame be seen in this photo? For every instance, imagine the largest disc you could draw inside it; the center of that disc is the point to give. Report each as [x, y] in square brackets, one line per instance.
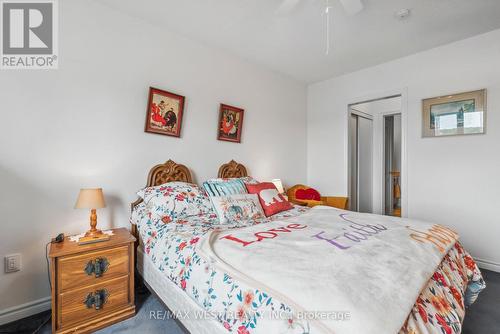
[349, 102]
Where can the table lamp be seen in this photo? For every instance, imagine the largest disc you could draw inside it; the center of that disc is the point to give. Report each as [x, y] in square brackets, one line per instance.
[91, 199]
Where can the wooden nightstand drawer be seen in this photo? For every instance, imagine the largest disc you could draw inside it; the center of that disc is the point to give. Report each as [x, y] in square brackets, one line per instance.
[92, 267]
[82, 303]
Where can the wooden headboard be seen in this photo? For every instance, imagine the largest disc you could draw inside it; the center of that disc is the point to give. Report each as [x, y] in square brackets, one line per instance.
[232, 169]
[160, 174]
[168, 172]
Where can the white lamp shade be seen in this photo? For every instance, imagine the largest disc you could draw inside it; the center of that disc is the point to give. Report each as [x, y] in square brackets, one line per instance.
[90, 199]
[279, 185]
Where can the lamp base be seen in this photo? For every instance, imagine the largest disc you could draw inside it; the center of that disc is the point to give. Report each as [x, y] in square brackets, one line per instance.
[94, 233]
[93, 236]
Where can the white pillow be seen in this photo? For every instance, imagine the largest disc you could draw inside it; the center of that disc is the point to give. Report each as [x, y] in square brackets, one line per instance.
[177, 200]
[238, 208]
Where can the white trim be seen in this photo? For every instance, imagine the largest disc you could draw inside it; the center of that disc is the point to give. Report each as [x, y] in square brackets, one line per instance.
[24, 310]
[488, 265]
[359, 113]
[405, 208]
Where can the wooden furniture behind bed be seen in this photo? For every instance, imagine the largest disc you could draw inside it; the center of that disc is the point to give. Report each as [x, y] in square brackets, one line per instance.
[232, 169]
[337, 202]
[160, 174]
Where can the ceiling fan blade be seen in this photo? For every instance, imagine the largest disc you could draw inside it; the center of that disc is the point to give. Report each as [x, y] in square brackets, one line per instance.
[287, 6]
[352, 7]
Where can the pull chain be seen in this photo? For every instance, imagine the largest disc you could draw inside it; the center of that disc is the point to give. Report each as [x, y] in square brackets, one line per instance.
[327, 12]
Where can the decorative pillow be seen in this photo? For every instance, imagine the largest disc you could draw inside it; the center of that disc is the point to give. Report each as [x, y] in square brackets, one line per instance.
[308, 194]
[245, 179]
[224, 187]
[237, 208]
[249, 180]
[272, 202]
[176, 200]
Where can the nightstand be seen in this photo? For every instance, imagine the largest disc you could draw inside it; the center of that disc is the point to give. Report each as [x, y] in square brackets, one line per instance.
[93, 284]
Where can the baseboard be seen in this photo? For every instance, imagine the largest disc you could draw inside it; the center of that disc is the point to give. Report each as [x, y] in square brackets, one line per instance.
[488, 265]
[24, 310]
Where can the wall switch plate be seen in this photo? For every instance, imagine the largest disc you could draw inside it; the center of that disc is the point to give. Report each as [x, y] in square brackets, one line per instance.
[12, 263]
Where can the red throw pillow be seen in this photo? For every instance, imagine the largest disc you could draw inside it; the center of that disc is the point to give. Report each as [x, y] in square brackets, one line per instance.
[272, 202]
[308, 194]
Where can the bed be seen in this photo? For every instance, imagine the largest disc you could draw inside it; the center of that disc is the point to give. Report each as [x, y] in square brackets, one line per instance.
[177, 263]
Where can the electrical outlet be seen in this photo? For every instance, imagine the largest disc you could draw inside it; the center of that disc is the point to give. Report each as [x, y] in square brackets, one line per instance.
[12, 263]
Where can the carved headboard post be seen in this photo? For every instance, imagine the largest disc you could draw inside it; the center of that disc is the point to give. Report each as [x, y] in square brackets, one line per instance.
[232, 169]
[168, 172]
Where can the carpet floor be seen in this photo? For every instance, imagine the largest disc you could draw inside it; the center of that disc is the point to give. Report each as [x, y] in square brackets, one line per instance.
[483, 317]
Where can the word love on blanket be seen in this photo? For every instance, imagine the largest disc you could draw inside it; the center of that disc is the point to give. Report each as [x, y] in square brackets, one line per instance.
[268, 234]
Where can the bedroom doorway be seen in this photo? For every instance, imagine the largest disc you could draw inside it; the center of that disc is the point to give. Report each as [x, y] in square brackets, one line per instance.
[392, 165]
[374, 155]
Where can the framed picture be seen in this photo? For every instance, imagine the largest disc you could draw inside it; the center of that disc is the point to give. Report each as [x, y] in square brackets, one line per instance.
[459, 114]
[164, 114]
[230, 123]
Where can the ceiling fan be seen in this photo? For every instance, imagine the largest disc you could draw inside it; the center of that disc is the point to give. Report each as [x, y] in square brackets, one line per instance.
[352, 7]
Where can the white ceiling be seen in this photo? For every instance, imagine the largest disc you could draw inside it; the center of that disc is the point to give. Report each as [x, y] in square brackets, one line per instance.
[294, 44]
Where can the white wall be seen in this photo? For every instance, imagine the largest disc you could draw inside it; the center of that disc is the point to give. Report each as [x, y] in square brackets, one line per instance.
[82, 125]
[452, 180]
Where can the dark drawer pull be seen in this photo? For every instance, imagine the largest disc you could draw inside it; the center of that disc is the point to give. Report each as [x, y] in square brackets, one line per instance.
[97, 267]
[96, 299]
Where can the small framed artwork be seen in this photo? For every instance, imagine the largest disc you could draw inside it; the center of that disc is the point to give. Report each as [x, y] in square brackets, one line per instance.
[459, 114]
[164, 114]
[230, 123]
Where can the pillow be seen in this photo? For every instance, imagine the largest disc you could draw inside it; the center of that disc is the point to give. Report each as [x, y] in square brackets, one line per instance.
[176, 200]
[245, 179]
[249, 180]
[272, 202]
[224, 187]
[237, 208]
[308, 194]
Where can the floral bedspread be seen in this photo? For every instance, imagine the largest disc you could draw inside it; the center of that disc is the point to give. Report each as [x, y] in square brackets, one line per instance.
[441, 306]
[240, 309]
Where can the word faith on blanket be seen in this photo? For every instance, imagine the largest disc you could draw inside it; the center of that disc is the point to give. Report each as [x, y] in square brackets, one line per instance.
[355, 232]
[268, 234]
